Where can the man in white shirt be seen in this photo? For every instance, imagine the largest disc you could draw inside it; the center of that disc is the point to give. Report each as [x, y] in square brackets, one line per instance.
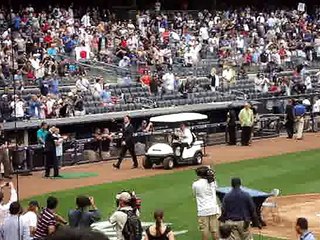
[83, 84]
[14, 227]
[169, 81]
[204, 190]
[4, 207]
[30, 218]
[204, 34]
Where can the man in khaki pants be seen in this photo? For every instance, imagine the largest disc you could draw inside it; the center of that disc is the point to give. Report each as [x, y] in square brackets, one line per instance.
[238, 211]
[204, 190]
[299, 112]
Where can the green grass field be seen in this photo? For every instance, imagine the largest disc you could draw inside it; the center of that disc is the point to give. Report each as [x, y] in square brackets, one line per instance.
[292, 173]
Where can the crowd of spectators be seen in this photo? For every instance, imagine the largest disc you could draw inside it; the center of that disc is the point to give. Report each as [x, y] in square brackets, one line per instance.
[38, 46]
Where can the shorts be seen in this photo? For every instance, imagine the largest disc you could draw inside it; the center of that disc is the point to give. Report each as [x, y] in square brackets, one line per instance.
[208, 224]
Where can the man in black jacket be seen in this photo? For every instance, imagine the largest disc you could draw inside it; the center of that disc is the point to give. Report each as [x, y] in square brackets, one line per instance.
[127, 143]
[232, 126]
[290, 118]
[51, 156]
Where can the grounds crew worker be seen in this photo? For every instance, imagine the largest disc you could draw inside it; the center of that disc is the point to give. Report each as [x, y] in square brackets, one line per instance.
[238, 211]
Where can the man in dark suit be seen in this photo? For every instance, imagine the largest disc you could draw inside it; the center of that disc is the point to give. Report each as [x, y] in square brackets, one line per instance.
[51, 156]
[232, 126]
[290, 118]
[127, 143]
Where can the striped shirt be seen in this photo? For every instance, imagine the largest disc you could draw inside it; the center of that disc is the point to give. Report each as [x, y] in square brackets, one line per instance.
[46, 220]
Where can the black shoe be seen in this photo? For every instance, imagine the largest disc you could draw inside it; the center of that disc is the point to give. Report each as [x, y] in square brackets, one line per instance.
[57, 176]
[116, 166]
[46, 176]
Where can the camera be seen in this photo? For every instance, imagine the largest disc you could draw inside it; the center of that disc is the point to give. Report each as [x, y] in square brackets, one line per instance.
[135, 201]
[206, 173]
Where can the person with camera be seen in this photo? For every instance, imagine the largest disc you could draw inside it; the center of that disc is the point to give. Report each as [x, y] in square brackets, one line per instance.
[4, 207]
[49, 220]
[83, 216]
[204, 190]
[14, 227]
[238, 211]
[127, 143]
[126, 218]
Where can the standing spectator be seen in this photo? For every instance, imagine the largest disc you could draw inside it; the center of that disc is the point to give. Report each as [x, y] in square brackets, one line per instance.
[42, 133]
[17, 106]
[51, 154]
[159, 231]
[246, 120]
[82, 217]
[214, 80]
[14, 227]
[290, 118]
[204, 190]
[128, 143]
[302, 229]
[4, 153]
[83, 84]
[299, 113]
[4, 207]
[120, 218]
[34, 107]
[169, 80]
[30, 218]
[238, 210]
[48, 219]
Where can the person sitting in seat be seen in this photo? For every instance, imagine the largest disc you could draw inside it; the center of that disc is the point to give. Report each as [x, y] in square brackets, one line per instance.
[185, 138]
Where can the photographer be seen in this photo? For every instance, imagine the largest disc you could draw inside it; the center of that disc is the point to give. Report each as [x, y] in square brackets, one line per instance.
[126, 218]
[82, 217]
[204, 190]
[4, 207]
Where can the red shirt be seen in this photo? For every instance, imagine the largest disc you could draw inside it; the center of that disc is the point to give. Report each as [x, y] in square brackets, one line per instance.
[48, 39]
[146, 79]
[124, 44]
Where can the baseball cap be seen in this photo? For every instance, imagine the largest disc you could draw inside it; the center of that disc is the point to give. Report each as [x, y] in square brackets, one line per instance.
[34, 203]
[124, 196]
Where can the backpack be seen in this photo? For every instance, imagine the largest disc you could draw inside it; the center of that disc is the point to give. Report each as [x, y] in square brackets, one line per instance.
[132, 229]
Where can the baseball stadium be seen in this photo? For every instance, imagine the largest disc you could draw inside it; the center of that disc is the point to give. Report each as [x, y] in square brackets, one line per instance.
[128, 101]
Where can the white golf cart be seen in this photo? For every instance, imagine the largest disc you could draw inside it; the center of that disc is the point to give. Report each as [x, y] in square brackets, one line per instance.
[162, 150]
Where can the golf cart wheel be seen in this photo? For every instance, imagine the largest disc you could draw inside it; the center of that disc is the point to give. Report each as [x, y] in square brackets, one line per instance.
[147, 163]
[198, 158]
[168, 163]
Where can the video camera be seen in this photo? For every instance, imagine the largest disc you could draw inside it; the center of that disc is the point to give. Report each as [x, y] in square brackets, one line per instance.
[207, 173]
[135, 201]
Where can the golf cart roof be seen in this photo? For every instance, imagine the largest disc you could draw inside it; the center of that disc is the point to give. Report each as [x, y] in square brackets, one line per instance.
[179, 117]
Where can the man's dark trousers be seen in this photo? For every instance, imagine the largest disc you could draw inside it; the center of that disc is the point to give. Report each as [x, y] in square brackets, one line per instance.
[51, 162]
[123, 151]
[290, 128]
[232, 135]
[245, 135]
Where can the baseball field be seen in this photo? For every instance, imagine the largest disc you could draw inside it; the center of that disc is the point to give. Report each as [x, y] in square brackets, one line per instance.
[291, 166]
